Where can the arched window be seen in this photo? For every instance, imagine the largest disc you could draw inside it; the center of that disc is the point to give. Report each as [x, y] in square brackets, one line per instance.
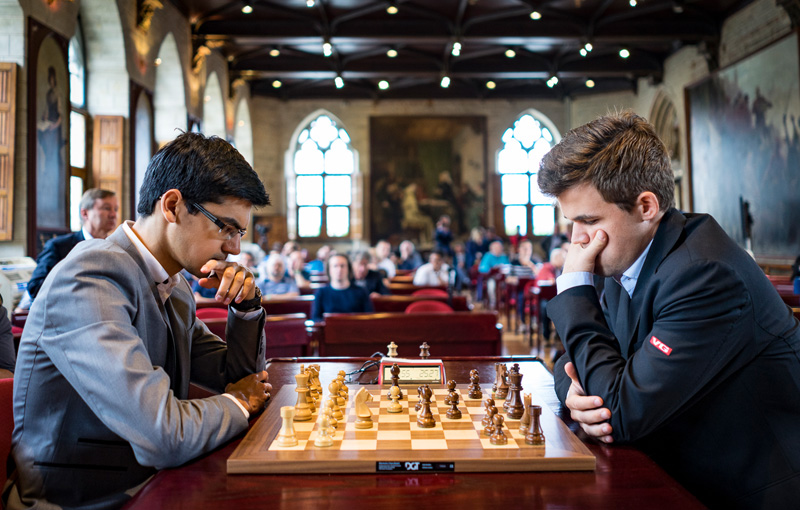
[78, 120]
[524, 144]
[324, 164]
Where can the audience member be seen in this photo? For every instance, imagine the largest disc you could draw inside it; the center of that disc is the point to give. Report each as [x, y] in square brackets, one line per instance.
[547, 275]
[383, 252]
[691, 353]
[460, 263]
[274, 281]
[796, 275]
[101, 389]
[410, 258]
[366, 278]
[98, 209]
[8, 357]
[443, 236]
[522, 265]
[340, 295]
[493, 258]
[435, 272]
[297, 269]
[318, 264]
[473, 247]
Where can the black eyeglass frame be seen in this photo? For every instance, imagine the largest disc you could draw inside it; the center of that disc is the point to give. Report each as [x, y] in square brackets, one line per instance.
[221, 224]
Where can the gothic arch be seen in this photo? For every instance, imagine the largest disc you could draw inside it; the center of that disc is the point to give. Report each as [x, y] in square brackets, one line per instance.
[169, 96]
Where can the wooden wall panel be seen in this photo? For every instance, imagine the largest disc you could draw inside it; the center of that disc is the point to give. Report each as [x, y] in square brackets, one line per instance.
[107, 153]
[8, 89]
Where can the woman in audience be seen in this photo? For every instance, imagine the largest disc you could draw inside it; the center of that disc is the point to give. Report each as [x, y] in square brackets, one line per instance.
[341, 295]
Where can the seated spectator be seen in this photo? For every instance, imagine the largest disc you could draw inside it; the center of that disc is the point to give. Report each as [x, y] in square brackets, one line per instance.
[796, 275]
[474, 247]
[493, 258]
[522, 265]
[297, 269]
[410, 258]
[365, 277]
[435, 272]
[8, 357]
[98, 209]
[460, 263]
[274, 281]
[383, 253]
[318, 265]
[340, 296]
[548, 274]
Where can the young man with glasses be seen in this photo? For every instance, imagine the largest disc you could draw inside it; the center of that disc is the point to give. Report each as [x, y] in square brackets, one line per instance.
[101, 394]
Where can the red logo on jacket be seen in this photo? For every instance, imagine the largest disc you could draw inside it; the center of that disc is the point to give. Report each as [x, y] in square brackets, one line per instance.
[661, 346]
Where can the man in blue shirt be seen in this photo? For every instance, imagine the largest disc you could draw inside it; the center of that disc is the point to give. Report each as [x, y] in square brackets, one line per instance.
[341, 295]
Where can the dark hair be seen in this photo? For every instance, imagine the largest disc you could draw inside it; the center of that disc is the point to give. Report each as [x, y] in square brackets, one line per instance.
[618, 154]
[796, 268]
[346, 258]
[203, 170]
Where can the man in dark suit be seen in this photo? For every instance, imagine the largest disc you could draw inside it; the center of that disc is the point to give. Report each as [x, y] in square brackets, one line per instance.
[690, 353]
[99, 208]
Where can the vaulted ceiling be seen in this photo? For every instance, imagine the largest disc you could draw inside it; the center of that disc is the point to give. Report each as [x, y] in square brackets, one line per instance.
[508, 48]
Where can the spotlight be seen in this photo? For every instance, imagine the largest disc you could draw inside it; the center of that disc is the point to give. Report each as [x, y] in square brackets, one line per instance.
[277, 84]
[445, 82]
[583, 52]
[327, 49]
[392, 9]
[157, 61]
[339, 82]
[309, 3]
[456, 51]
[247, 9]
[383, 84]
[274, 52]
[391, 53]
[536, 15]
[588, 46]
[510, 53]
[490, 85]
[552, 82]
[632, 3]
[624, 53]
[590, 84]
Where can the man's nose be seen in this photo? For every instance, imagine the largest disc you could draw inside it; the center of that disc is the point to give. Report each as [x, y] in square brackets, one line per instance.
[232, 246]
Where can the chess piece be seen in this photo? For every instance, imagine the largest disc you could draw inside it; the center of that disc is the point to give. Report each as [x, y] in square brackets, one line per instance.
[489, 429]
[363, 414]
[324, 438]
[454, 413]
[331, 413]
[535, 436]
[451, 390]
[525, 421]
[475, 387]
[501, 382]
[395, 371]
[487, 417]
[395, 406]
[302, 411]
[287, 436]
[499, 437]
[336, 411]
[419, 402]
[313, 387]
[333, 389]
[425, 416]
[342, 387]
[515, 407]
[392, 353]
[424, 350]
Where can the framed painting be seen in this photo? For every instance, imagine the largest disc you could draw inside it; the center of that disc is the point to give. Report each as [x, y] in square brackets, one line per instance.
[422, 168]
[744, 141]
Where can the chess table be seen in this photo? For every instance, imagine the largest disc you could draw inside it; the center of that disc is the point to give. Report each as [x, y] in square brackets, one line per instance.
[623, 476]
[395, 443]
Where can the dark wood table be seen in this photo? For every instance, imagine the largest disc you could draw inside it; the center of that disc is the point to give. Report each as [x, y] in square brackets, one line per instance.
[624, 477]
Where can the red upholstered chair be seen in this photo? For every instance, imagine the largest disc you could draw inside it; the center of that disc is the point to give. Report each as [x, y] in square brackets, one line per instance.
[212, 313]
[429, 292]
[428, 306]
[6, 422]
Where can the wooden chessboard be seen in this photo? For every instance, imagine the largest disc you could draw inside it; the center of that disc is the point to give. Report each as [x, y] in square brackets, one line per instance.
[396, 444]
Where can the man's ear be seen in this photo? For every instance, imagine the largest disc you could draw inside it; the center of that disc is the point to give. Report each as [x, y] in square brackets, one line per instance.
[169, 203]
[647, 204]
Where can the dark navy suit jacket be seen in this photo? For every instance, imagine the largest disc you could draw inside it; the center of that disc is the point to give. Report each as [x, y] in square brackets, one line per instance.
[54, 251]
[701, 369]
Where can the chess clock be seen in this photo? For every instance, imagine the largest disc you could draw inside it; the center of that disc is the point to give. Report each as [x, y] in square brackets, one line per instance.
[413, 371]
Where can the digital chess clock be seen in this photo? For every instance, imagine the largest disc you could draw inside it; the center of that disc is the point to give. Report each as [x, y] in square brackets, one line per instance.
[413, 371]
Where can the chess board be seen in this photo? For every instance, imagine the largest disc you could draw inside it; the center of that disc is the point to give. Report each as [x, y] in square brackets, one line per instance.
[395, 443]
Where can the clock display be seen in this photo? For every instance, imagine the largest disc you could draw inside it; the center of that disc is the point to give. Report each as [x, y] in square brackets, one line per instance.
[413, 371]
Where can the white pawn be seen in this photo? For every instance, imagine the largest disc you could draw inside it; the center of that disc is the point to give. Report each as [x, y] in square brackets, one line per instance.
[336, 411]
[324, 438]
[392, 353]
[344, 391]
[394, 394]
[329, 411]
[287, 436]
[302, 409]
[333, 389]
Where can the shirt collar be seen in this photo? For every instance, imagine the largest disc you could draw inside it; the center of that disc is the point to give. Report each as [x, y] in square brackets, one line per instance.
[86, 234]
[631, 275]
[159, 275]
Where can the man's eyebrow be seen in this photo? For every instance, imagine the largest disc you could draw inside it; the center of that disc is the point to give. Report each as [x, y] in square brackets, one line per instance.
[584, 218]
[231, 221]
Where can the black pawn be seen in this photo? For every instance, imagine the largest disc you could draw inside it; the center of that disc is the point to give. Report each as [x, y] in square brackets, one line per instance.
[424, 350]
[451, 390]
[419, 402]
[395, 371]
[498, 437]
[454, 413]
[475, 387]
[489, 430]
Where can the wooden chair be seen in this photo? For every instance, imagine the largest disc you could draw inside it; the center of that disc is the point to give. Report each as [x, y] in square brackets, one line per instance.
[405, 289]
[430, 292]
[212, 313]
[287, 336]
[6, 422]
[283, 306]
[400, 303]
[428, 305]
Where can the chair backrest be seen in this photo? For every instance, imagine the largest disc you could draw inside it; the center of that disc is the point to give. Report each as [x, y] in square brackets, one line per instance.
[286, 335]
[428, 306]
[212, 313]
[429, 292]
[6, 422]
[283, 305]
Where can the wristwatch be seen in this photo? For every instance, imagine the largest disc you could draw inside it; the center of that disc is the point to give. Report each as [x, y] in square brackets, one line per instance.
[249, 304]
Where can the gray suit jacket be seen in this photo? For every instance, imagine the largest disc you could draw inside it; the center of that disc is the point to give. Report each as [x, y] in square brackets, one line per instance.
[102, 378]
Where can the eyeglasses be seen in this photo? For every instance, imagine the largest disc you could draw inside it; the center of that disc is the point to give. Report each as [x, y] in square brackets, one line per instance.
[227, 231]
